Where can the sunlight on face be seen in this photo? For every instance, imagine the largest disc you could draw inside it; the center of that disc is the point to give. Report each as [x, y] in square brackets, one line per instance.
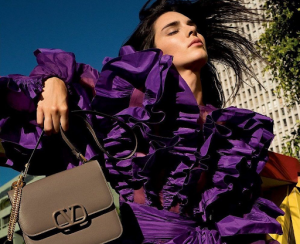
[176, 35]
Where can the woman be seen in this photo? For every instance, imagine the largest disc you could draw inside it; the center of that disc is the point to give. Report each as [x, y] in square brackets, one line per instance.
[195, 176]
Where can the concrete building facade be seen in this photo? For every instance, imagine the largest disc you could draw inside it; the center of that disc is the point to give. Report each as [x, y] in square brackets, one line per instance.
[259, 98]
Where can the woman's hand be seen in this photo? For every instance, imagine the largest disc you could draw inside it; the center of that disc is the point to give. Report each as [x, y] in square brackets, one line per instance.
[52, 110]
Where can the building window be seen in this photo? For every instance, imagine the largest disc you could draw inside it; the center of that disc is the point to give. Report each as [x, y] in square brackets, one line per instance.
[279, 125]
[282, 111]
[5, 221]
[261, 98]
[271, 115]
[275, 103]
[258, 110]
[267, 95]
[269, 106]
[273, 93]
[284, 122]
[4, 203]
[254, 89]
[276, 114]
[291, 120]
[249, 92]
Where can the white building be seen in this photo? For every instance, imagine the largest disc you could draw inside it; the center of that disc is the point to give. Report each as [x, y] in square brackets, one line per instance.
[254, 96]
[5, 208]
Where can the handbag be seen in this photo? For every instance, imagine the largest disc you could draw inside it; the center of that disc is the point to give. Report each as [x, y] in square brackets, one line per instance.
[73, 206]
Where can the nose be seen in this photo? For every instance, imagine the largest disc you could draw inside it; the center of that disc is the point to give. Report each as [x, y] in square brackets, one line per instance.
[192, 30]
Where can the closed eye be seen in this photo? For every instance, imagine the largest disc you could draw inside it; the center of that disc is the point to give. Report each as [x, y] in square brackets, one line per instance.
[173, 32]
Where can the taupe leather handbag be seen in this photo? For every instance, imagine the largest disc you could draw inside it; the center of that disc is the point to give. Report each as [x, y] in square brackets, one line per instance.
[71, 207]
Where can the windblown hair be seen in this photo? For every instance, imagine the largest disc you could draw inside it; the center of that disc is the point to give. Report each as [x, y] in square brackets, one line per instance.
[224, 42]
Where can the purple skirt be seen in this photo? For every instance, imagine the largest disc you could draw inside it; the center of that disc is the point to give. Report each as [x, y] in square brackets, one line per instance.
[144, 224]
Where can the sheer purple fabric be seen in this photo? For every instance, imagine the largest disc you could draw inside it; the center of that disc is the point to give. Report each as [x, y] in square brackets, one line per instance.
[200, 162]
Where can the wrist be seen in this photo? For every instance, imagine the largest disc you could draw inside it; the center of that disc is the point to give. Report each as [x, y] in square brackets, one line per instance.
[51, 80]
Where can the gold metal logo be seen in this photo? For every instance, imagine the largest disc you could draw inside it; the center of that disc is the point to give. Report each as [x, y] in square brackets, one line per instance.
[71, 219]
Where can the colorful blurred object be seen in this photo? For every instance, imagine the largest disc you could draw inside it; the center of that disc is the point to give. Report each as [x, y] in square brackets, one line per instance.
[281, 184]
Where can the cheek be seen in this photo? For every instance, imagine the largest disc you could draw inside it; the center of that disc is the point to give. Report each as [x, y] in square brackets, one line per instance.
[170, 46]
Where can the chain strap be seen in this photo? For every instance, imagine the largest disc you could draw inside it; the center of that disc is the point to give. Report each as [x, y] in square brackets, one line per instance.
[17, 186]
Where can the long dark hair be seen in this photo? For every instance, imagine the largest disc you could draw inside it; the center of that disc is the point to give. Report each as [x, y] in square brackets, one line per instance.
[224, 43]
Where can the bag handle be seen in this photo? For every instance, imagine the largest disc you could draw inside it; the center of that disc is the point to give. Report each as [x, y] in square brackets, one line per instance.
[75, 151]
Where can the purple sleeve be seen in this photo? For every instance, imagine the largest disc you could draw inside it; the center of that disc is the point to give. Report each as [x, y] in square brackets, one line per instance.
[54, 63]
[21, 93]
[19, 96]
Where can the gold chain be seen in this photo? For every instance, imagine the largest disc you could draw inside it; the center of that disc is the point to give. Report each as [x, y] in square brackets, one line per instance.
[17, 186]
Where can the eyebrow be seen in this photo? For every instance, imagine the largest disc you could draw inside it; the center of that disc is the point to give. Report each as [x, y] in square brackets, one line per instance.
[176, 23]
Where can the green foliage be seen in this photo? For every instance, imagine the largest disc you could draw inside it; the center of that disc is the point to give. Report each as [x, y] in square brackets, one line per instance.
[292, 146]
[280, 45]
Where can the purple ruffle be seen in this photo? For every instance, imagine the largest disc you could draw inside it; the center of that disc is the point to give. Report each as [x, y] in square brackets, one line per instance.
[236, 142]
[233, 151]
[147, 71]
[179, 141]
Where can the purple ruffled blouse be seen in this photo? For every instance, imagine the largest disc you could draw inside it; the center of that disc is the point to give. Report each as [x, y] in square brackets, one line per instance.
[195, 178]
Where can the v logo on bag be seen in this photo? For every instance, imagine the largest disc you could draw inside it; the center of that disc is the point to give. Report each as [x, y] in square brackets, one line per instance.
[69, 220]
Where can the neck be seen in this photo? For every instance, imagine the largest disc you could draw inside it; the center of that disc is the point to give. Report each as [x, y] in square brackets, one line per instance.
[193, 80]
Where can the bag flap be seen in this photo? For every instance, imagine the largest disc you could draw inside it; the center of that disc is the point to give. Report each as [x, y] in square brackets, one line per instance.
[63, 199]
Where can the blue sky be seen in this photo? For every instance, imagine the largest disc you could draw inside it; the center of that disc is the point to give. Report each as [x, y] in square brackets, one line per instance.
[91, 29]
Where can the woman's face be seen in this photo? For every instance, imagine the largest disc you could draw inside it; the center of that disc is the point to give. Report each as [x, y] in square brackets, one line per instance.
[176, 35]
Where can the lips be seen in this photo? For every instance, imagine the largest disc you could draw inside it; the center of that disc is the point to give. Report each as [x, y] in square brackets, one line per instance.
[196, 40]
